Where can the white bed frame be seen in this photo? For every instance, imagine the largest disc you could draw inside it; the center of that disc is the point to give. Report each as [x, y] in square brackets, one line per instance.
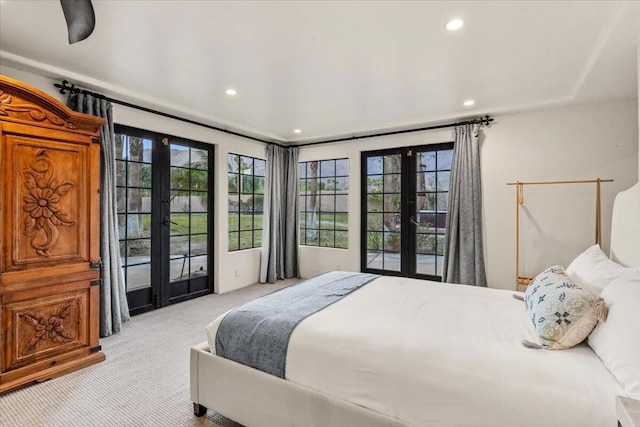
[254, 398]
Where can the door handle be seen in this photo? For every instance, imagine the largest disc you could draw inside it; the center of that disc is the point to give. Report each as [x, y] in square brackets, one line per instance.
[166, 221]
[413, 221]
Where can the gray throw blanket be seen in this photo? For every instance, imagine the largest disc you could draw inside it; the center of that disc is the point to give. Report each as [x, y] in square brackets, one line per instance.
[257, 334]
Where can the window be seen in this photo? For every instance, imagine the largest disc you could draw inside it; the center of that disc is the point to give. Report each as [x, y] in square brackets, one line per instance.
[324, 210]
[246, 201]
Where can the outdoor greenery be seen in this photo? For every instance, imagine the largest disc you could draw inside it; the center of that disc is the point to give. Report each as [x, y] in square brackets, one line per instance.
[194, 177]
[384, 202]
[324, 189]
[180, 223]
[430, 244]
[134, 181]
[246, 186]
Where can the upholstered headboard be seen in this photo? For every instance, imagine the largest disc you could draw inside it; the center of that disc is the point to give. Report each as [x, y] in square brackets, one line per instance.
[625, 228]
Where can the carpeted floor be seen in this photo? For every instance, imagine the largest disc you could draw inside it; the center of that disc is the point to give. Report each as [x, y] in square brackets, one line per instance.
[143, 382]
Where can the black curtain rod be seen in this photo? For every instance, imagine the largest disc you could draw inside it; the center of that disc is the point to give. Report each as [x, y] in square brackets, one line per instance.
[65, 87]
[482, 121]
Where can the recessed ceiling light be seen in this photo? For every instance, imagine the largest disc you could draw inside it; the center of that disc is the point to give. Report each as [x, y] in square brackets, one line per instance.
[454, 24]
[231, 92]
[468, 102]
[297, 131]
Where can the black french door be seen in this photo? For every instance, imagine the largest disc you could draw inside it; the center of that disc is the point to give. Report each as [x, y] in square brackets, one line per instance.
[404, 209]
[164, 193]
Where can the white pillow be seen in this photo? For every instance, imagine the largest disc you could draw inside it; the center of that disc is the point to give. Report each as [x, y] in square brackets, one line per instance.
[593, 270]
[616, 340]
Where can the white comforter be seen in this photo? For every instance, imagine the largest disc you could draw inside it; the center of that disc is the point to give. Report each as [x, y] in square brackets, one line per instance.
[437, 354]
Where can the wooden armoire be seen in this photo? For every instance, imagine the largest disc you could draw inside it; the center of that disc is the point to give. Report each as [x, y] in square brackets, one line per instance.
[49, 237]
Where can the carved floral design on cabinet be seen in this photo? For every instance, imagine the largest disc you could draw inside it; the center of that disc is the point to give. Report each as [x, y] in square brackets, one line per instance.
[35, 113]
[42, 203]
[48, 328]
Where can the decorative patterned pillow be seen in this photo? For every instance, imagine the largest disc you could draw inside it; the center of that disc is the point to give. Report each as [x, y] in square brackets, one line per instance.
[562, 313]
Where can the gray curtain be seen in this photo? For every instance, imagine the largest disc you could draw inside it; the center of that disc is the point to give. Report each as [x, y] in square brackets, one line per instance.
[114, 309]
[280, 258]
[463, 255]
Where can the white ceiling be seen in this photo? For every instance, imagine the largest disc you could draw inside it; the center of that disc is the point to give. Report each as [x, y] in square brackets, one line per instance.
[334, 68]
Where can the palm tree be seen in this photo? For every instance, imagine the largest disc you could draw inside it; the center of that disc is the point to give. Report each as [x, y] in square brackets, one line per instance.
[392, 165]
[312, 212]
[185, 178]
[134, 200]
[120, 170]
[421, 198]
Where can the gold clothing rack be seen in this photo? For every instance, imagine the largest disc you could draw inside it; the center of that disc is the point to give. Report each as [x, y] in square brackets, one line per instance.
[525, 280]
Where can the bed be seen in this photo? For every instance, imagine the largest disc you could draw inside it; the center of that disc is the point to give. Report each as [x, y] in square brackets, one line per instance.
[400, 352]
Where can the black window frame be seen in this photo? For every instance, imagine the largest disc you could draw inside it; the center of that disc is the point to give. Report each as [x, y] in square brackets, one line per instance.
[323, 194]
[123, 161]
[163, 291]
[256, 232]
[407, 193]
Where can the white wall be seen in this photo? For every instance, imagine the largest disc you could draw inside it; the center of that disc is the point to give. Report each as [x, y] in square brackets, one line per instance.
[580, 142]
[247, 262]
[587, 141]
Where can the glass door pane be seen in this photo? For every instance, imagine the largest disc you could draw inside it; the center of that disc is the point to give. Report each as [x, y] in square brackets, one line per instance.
[432, 186]
[383, 176]
[134, 193]
[188, 220]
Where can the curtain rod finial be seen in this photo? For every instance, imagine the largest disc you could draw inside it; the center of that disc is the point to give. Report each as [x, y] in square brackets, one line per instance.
[65, 86]
[486, 120]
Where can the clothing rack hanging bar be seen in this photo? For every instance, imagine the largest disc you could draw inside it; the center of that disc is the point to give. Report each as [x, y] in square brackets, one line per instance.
[583, 181]
[525, 280]
[64, 86]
